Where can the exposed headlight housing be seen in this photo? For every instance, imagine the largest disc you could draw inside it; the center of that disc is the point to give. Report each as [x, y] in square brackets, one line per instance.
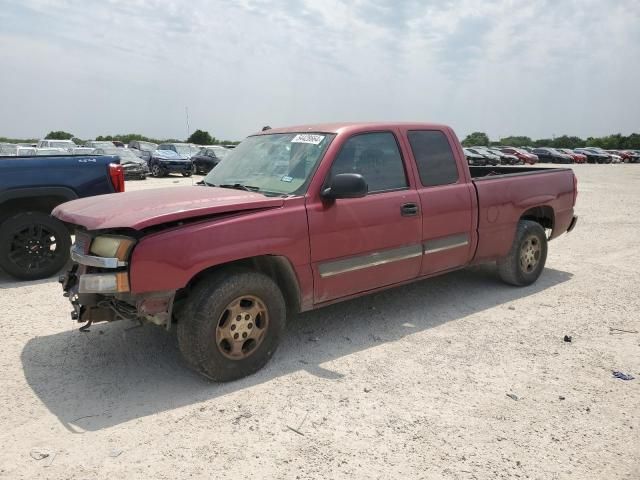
[112, 246]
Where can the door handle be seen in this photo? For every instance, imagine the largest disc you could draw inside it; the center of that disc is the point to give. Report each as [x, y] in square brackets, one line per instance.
[409, 210]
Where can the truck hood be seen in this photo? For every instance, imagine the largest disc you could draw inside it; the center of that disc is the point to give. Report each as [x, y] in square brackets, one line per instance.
[145, 208]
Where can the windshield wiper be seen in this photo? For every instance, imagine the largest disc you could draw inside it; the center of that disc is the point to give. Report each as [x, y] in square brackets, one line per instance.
[238, 186]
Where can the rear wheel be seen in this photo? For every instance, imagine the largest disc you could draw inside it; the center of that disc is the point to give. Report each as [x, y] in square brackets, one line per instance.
[33, 245]
[186, 174]
[526, 259]
[231, 324]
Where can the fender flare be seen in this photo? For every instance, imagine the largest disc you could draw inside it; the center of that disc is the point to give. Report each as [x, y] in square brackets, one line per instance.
[30, 192]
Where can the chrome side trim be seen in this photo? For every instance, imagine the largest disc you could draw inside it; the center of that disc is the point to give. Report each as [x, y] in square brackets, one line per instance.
[446, 243]
[329, 269]
[92, 261]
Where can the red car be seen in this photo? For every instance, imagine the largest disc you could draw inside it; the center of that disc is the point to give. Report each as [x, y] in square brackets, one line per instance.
[523, 155]
[297, 218]
[577, 157]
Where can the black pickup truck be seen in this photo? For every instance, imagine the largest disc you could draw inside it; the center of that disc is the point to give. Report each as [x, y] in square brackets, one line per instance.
[34, 244]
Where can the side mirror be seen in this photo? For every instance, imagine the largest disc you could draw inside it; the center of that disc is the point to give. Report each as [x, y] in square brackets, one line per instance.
[346, 185]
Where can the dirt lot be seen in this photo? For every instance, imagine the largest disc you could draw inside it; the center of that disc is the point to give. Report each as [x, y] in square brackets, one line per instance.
[409, 383]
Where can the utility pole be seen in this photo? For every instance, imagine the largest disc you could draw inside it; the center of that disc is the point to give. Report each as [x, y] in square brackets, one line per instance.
[186, 112]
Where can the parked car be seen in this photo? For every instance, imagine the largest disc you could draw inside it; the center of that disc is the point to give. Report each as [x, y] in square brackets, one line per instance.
[32, 243]
[231, 259]
[612, 158]
[164, 162]
[631, 156]
[474, 158]
[98, 144]
[143, 149]
[52, 151]
[83, 150]
[207, 158]
[616, 156]
[577, 157]
[119, 144]
[67, 145]
[593, 156]
[7, 149]
[492, 158]
[133, 166]
[22, 151]
[185, 150]
[522, 155]
[505, 158]
[16, 150]
[547, 154]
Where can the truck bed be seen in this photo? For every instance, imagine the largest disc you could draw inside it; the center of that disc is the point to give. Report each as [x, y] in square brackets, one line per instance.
[482, 173]
[504, 193]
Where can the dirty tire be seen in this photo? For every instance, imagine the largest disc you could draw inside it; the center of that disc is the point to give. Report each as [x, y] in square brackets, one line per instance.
[199, 323]
[33, 245]
[522, 266]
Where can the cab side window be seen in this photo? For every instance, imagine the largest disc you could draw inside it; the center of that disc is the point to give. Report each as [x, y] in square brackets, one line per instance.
[434, 157]
[376, 157]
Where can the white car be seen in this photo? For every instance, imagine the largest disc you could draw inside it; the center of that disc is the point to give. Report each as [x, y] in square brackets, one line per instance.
[83, 151]
[67, 145]
[51, 151]
[25, 151]
[99, 144]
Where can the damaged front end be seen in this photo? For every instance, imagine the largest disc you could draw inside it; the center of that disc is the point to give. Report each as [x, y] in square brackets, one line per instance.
[97, 284]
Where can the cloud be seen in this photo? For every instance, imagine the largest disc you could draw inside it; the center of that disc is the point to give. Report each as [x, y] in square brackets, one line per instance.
[505, 67]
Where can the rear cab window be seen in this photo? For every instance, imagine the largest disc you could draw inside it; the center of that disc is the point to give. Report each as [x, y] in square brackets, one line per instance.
[434, 157]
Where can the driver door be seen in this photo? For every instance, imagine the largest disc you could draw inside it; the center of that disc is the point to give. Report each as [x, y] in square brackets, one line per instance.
[361, 244]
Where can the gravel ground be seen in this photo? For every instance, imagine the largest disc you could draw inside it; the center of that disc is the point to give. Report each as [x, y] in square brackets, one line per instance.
[411, 383]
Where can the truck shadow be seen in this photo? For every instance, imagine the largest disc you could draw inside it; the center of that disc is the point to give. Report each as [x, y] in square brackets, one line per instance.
[116, 373]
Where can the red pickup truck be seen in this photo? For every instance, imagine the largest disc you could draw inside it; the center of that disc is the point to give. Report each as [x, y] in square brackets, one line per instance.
[297, 218]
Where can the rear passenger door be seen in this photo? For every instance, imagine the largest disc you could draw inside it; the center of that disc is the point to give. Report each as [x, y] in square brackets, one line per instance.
[446, 200]
[360, 244]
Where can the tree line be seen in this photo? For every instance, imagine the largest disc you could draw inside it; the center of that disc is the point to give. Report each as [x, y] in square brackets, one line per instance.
[610, 142]
[199, 137]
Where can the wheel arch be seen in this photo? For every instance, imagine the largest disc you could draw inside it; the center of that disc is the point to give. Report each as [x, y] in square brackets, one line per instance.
[39, 199]
[277, 267]
[543, 214]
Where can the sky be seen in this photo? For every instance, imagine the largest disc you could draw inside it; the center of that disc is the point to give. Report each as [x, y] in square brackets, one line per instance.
[536, 68]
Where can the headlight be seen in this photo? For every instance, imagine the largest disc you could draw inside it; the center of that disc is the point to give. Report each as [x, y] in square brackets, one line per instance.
[112, 246]
[103, 283]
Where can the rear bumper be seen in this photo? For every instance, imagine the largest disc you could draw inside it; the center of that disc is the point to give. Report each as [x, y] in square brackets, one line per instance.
[572, 225]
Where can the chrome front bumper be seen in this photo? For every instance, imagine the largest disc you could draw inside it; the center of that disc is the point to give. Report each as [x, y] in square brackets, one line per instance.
[92, 261]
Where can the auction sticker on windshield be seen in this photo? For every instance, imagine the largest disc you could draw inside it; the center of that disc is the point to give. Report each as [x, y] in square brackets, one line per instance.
[308, 138]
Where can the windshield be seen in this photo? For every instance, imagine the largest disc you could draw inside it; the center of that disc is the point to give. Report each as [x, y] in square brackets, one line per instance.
[187, 150]
[123, 153]
[277, 163]
[147, 146]
[219, 152]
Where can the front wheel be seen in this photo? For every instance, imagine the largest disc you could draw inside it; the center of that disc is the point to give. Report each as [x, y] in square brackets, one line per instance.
[186, 174]
[157, 171]
[526, 259]
[33, 245]
[231, 324]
